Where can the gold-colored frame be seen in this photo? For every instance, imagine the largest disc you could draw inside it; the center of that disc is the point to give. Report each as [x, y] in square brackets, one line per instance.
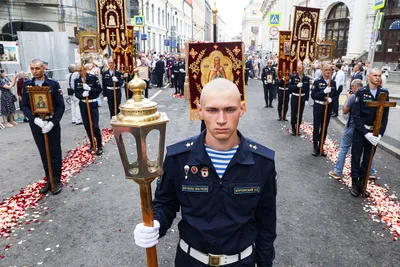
[84, 37]
[143, 73]
[325, 50]
[40, 99]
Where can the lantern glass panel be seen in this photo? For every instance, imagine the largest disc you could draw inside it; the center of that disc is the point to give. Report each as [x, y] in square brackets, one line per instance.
[130, 145]
[152, 142]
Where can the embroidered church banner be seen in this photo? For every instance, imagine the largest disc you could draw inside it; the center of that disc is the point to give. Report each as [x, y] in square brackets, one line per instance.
[207, 61]
[111, 24]
[123, 58]
[285, 66]
[304, 34]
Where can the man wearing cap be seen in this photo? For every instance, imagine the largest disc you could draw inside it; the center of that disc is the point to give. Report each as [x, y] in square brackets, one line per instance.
[225, 186]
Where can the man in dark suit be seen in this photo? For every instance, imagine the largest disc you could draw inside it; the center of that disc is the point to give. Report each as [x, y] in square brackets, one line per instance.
[357, 74]
[160, 65]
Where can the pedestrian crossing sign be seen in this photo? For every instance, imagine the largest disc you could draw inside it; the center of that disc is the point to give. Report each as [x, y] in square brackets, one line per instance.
[274, 19]
[138, 21]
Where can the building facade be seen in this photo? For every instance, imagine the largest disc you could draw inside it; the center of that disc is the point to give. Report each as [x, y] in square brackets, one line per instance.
[208, 23]
[251, 23]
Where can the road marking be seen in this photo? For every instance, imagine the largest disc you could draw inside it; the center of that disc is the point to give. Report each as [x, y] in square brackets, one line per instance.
[156, 94]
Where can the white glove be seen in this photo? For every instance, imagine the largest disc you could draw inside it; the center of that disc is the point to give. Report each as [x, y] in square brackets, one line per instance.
[105, 99]
[85, 93]
[115, 79]
[182, 70]
[39, 122]
[86, 87]
[378, 139]
[47, 128]
[329, 100]
[300, 85]
[126, 75]
[306, 103]
[327, 90]
[146, 237]
[172, 76]
[265, 82]
[372, 139]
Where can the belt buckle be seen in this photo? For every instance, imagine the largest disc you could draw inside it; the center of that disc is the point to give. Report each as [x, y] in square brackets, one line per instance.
[214, 260]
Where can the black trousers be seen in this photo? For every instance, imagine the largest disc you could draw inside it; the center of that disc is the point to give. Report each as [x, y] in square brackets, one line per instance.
[176, 78]
[318, 112]
[281, 101]
[54, 137]
[268, 94]
[361, 150]
[110, 99]
[94, 112]
[294, 109]
[181, 83]
[246, 76]
[335, 101]
[130, 93]
[160, 78]
[182, 259]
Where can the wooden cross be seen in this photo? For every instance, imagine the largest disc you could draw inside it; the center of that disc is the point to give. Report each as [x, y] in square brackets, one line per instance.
[381, 104]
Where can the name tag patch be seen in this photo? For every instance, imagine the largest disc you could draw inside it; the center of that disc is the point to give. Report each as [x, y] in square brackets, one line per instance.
[246, 190]
[195, 188]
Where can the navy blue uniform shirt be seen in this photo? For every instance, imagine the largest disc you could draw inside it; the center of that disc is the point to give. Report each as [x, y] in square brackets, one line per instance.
[56, 96]
[108, 82]
[268, 72]
[220, 215]
[362, 115]
[294, 80]
[94, 84]
[317, 90]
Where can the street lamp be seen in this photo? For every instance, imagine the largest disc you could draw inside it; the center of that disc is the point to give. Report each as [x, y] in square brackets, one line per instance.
[139, 116]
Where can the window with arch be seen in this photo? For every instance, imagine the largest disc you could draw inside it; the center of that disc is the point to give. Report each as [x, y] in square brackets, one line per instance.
[337, 28]
[159, 17]
[152, 13]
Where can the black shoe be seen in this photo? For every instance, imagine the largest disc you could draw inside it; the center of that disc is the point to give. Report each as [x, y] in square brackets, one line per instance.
[354, 191]
[26, 120]
[279, 119]
[78, 123]
[294, 133]
[45, 189]
[99, 151]
[266, 106]
[323, 153]
[285, 119]
[57, 189]
[315, 152]
[361, 190]
[90, 150]
[271, 106]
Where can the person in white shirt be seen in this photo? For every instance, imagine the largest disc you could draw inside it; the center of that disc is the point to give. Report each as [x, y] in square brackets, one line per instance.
[339, 78]
[75, 110]
[345, 69]
[385, 70]
[318, 72]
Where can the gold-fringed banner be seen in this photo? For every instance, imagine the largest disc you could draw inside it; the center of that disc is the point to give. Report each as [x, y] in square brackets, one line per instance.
[304, 34]
[285, 66]
[123, 58]
[207, 61]
[111, 24]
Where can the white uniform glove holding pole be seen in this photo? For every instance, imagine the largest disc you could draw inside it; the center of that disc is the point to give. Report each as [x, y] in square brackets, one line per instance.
[105, 98]
[327, 90]
[372, 139]
[182, 70]
[39, 122]
[47, 128]
[85, 93]
[146, 237]
[86, 87]
[115, 79]
[299, 85]
[329, 100]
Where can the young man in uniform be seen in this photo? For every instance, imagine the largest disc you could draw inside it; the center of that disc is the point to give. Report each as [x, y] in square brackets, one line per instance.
[88, 85]
[224, 185]
[109, 77]
[50, 126]
[181, 75]
[320, 92]
[363, 139]
[283, 90]
[268, 78]
[296, 82]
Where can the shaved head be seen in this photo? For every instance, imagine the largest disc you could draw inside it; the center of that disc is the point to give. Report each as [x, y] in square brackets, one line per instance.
[218, 86]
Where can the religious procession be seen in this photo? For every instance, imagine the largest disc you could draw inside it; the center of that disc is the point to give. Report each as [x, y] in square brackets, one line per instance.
[199, 133]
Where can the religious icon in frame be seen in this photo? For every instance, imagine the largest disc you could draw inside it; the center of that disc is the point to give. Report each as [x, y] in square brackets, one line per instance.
[40, 99]
[325, 51]
[143, 73]
[88, 42]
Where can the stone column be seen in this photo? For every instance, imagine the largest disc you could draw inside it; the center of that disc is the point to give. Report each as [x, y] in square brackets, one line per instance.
[358, 20]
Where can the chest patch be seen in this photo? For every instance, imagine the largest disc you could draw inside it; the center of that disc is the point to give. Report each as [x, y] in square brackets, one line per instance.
[195, 188]
[241, 190]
